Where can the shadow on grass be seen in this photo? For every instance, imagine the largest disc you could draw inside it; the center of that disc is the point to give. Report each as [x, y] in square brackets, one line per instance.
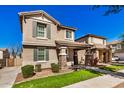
[95, 72]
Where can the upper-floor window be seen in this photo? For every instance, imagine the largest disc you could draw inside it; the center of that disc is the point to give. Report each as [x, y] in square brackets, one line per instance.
[104, 42]
[68, 34]
[41, 30]
[92, 40]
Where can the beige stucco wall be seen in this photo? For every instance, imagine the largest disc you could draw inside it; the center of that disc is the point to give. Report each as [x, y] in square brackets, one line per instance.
[28, 58]
[1, 54]
[61, 35]
[28, 30]
[96, 41]
[55, 34]
[29, 39]
[81, 55]
[70, 55]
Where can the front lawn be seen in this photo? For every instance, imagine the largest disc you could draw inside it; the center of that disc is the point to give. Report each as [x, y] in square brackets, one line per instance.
[113, 67]
[59, 80]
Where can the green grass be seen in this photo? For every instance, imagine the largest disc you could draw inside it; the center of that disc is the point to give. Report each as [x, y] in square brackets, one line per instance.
[113, 67]
[59, 80]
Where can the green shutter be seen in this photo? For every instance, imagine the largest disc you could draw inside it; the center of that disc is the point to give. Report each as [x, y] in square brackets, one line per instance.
[48, 31]
[35, 54]
[34, 34]
[47, 54]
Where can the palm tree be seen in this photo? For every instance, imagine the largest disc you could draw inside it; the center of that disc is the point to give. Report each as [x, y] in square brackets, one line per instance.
[109, 9]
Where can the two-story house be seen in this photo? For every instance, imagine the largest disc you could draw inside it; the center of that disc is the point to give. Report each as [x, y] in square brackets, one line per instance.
[99, 47]
[117, 48]
[115, 45]
[46, 41]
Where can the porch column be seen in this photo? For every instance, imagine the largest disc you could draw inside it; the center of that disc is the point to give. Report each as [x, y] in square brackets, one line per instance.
[101, 56]
[110, 55]
[97, 54]
[63, 58]
[106, 57]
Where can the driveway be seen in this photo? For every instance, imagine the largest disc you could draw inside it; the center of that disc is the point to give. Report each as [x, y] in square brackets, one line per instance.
[8, 76]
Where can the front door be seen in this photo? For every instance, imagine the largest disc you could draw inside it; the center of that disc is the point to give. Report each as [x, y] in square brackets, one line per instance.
[75, 57]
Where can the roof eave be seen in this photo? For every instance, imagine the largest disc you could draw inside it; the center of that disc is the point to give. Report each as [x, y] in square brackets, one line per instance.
[38, 12]
[67, 27]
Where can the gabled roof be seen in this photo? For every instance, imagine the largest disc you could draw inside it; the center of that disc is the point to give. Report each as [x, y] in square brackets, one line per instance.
[72, 44]
[37, 12]
[100, 46]
[91, 35]
[67, 27]
[114, 42]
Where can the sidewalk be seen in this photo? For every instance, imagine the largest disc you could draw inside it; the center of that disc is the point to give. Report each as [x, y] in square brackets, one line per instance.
[105, 81]
[8, 76]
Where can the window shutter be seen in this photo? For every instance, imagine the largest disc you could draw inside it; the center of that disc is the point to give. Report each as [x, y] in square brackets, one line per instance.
[47, 54]
[48, 31]
[35, 54]
[34, 34]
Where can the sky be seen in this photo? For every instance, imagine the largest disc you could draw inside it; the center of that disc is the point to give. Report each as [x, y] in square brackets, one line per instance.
[81, 17]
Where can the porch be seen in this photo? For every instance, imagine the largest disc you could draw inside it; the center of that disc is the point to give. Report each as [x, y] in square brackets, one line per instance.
[103, 53]
[68, 53]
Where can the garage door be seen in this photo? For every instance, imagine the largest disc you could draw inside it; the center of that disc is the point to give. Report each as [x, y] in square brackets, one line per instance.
[120, 55]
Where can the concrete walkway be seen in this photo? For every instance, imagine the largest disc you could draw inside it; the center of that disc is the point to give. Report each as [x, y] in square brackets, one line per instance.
[8, 76]
[106, 81]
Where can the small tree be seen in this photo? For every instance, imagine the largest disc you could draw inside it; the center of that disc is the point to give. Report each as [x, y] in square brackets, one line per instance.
[16, 50]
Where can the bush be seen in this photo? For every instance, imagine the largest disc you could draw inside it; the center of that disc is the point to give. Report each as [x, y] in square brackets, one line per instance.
[27, 71]
[55, 68]
[38, 67]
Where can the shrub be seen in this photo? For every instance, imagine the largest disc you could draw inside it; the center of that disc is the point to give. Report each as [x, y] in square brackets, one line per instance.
[55, 67]
[27, 71]
[38, 67]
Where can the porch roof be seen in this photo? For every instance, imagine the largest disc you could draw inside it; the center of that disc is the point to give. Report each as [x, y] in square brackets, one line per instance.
[72, 44]
[100, 46]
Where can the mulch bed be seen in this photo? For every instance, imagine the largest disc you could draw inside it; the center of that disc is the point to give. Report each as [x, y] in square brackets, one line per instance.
[43, 73]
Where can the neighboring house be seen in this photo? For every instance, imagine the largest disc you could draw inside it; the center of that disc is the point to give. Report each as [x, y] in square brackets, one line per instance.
[46, 41]
[4, 55]
[99, 47]
[117, 48]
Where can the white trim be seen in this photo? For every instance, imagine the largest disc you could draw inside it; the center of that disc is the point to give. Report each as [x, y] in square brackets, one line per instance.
[44, 61]
[62, 47]
[44, 38]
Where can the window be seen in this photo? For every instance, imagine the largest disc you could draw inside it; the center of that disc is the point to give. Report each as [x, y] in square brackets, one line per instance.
[68, 34]
[104, 42]
[118, 46]
[92, 40]
[41, 54]
[41, 30]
